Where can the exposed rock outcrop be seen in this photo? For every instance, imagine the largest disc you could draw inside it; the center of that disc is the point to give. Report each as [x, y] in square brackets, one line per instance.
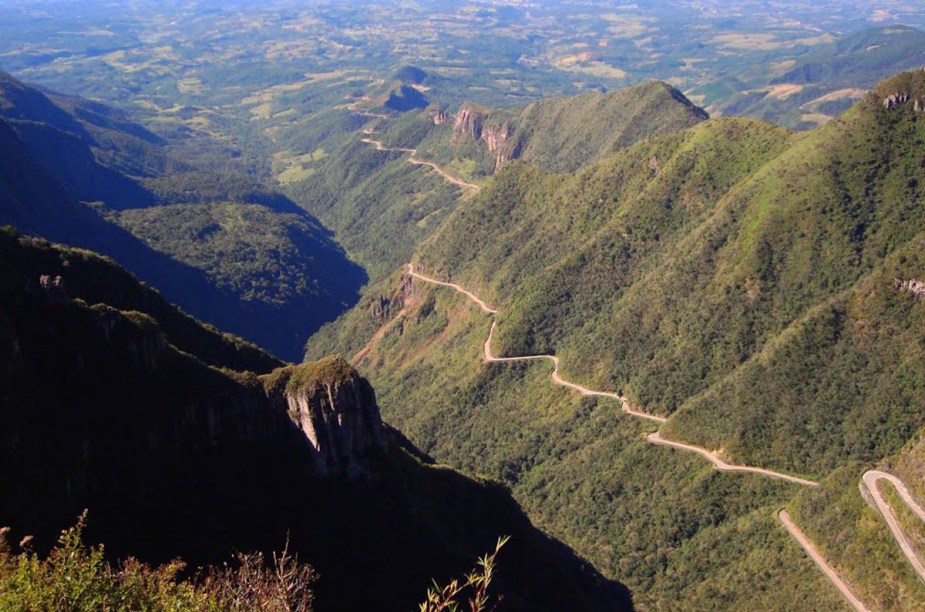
[562, 134]
[438, 115]
[469, 121]
[913, 286]
[474, 123]
[896, 99]
[135, 334]
[903, 91]
[496, 136]
[498, 139]
[53, 287]
[384, 308]
[336, 410]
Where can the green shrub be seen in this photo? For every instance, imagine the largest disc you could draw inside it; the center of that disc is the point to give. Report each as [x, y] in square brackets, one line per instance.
[75, 576]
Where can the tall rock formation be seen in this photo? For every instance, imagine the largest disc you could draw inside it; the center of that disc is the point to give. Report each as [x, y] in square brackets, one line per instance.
[475, 123]
[335, 409]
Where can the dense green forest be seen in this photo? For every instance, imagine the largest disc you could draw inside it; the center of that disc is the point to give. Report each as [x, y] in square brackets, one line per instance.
[681, 266]
[381, 207]
[668, 525]
[559, 134]
[756, 286]
[217, 242]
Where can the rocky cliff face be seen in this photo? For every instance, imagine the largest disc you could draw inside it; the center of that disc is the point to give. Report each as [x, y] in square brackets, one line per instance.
[335, 409]
[176, 457]
[474, 123]
[96, 403]
[469, 122]
[384, 308]
[438, 115]
[902, 91]
[913, 286]
[500, 142]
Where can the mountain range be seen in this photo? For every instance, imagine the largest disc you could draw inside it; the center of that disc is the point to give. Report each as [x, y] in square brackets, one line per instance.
[755, 288]
[687, 349]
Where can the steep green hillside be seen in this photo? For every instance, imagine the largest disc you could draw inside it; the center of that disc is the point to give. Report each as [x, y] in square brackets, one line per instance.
[855, 540]
[759, 288]
[36, 202]
[561, 134]
[98, 159]
[381, 206]
[243, 253]
[854, 366]
[280, 264]
[663, 277]
[842, 520]
[664, 522]
[97, 280]
[100, 409]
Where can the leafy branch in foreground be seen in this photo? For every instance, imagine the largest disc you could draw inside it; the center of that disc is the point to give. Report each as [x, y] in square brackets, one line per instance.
[75, 576]
[252, 585]
[446, 598]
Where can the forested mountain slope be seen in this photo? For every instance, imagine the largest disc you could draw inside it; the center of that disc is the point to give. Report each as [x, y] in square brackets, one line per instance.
[215, 241]
[759, 288]
[561, 134]
[672, 291]
[381, 207]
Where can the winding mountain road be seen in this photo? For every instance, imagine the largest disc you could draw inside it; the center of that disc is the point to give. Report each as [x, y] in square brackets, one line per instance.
[868, 486]
[557, 378]
[869, 480]
[449, 178]
[723, 466]
[820, 561]
[654, 438]
[485, 307]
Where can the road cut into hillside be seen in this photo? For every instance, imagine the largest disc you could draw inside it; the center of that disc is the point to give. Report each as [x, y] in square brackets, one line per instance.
[871, 493]
[723, 466]
[557, 379]
[868, 481]
[360, 355]
[820, 561]
[870, 478]
[449, 178]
